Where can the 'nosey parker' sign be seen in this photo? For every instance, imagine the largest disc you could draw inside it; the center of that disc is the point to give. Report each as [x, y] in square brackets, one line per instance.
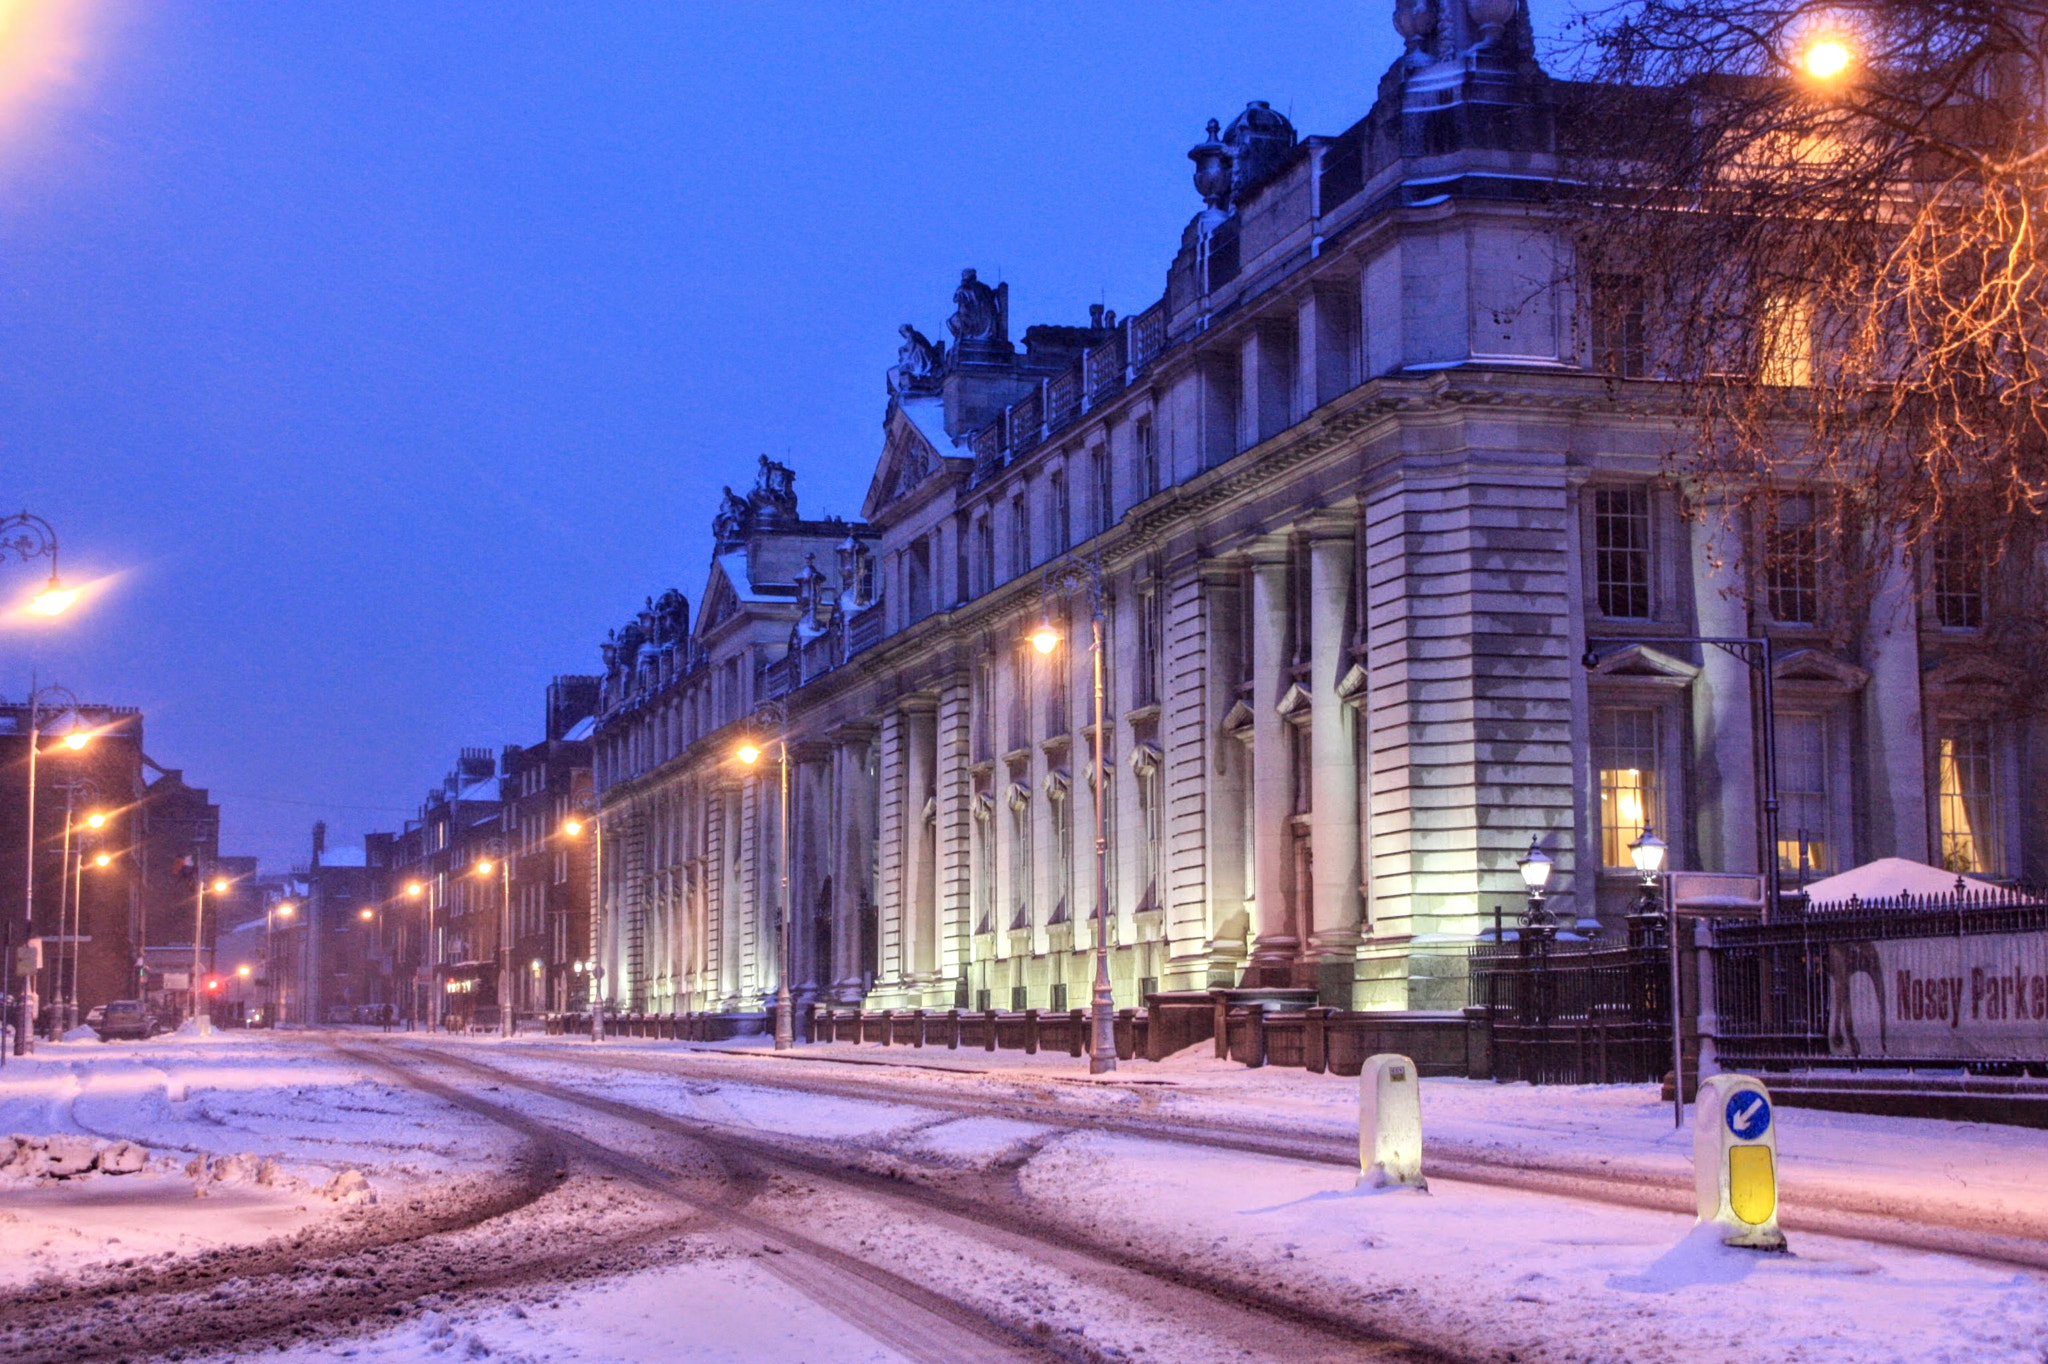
[1967, 998]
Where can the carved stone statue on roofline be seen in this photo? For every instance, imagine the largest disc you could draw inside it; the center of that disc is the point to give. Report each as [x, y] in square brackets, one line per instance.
[980, 319]
[919, 361]
[734, 522]
[774, 492]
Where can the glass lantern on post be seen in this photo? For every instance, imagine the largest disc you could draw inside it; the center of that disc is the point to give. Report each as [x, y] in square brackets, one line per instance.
[1646, 917]
[1537, 920]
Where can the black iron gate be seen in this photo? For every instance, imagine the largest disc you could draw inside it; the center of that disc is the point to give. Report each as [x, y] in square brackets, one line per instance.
[1570, 1012]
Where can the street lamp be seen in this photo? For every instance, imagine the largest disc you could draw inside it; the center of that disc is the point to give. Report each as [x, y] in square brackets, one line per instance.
[70, 925]
[58, 700]
[1535, 866]
[413, 891]
[500, 850]
[574, 829]
[219, 886]
[283, 909]
[1067, 576]
[1648, 853]
[28, 537]
[749, 753]
[1826, 58]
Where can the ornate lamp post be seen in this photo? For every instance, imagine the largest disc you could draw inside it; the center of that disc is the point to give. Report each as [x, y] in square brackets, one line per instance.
[750, 752]
[1064, 577]
[1535, 866]
[1647, 853]
[28, 537]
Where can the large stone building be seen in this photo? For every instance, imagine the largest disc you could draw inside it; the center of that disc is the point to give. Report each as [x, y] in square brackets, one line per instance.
[1393, 582]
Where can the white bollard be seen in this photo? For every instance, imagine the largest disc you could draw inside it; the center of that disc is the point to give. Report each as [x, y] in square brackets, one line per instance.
[1390, 1125]
[1735, 1161]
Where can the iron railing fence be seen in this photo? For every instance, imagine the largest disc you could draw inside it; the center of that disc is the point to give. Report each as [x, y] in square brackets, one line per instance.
[1574, 1013]
[1782, 990]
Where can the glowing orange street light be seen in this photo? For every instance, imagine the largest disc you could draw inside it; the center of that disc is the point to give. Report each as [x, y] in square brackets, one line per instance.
[54, 599]
[415, 889]
[285, 909]
[220, 885]
[1045, 639]
[243, 971]
[103, 860]
[573, 828]
[749, 753]
[485, 867]
[95, 820]
[1826, 58]
[366, 914]
[77, 739]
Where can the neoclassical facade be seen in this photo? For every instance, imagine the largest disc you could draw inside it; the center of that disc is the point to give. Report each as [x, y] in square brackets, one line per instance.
[1393, 582]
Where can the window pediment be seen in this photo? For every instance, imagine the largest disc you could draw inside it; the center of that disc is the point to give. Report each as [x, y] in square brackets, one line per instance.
[1641, 662]
[1814, 665]
[1974, 671]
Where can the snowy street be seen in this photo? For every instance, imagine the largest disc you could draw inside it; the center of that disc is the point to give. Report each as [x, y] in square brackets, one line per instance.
[545, 1199]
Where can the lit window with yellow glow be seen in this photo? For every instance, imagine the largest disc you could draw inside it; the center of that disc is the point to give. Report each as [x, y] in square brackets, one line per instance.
[1625, 749]
[1968, 798]
[1803, 794]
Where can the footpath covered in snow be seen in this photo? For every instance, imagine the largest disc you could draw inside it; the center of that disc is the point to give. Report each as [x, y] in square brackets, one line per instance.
[266, 1144]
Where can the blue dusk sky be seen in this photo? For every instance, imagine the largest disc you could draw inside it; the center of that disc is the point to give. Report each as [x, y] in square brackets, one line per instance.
[375, 358]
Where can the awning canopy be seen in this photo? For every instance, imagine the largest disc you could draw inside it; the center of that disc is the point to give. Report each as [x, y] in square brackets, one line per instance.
[1890, 878]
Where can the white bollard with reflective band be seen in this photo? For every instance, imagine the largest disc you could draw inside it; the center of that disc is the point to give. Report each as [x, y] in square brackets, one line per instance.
[1735, 1161]
[1390, 1125]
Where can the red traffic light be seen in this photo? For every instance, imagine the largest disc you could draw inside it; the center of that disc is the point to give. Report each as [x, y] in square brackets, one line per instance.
[213, 984]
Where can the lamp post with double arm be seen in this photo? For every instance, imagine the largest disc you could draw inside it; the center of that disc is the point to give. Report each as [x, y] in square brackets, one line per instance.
[1064, 577]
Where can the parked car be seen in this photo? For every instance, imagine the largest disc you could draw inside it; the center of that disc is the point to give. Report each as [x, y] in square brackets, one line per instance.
[126, 1019]
[94, 1015]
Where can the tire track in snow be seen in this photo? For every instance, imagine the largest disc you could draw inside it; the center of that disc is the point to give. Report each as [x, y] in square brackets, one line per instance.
[1280, 1326]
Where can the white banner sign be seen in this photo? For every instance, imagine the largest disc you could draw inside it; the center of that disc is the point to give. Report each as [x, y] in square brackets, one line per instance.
[1966, 998]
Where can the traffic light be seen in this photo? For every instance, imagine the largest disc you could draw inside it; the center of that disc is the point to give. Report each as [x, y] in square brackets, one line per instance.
[213, 985]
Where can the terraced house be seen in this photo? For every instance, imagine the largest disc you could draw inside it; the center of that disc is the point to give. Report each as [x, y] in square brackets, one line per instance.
[1393, 584]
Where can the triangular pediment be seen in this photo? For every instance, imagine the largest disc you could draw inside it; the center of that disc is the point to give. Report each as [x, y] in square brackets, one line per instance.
[720, 601]
[1974, 670]
[1813, 665]
[914, 449]
[1643, 661]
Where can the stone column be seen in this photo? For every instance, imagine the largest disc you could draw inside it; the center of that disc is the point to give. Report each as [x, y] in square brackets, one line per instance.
[811, 861]
[1895, 719]
[953, 838]
[1275, 946]
[853, 836]
[1724, 747]
[920, 874]
[1225, 863]
[1333, 819]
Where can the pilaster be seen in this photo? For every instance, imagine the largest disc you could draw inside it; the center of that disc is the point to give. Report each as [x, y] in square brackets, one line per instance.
[1276, 944]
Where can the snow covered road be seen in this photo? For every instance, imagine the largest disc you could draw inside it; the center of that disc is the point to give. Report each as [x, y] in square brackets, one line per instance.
[552, 1200]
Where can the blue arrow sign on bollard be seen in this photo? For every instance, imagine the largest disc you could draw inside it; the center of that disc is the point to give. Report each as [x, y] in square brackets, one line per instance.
[1748, 1114]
